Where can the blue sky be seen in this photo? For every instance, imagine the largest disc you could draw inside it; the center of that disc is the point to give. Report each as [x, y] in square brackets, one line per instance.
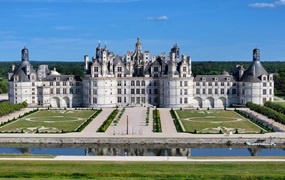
[216, 30]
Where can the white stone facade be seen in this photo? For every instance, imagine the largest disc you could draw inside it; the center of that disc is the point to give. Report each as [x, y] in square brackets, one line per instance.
[139, 79]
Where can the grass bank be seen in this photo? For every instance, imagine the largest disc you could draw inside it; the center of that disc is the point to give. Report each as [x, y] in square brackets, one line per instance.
[141, 170]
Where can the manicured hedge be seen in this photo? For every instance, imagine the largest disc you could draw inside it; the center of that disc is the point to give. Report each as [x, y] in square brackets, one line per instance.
[275, 106]
[156, 121]
[120, 115]
[147, 116]
[255, 121]
[266, 111]
[176, 121]
[6, 107]
[108, 121]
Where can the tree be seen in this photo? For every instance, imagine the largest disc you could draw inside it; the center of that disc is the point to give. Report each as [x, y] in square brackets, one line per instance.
[3, 86]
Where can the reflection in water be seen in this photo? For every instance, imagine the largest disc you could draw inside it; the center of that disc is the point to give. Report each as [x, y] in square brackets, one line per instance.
[254, 151]
[137, 152]
[141, 150]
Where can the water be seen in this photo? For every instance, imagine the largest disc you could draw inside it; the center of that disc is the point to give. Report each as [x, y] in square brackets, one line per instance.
[83, 150]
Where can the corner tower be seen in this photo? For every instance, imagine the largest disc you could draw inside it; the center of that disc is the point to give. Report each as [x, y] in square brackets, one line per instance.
[25, 54]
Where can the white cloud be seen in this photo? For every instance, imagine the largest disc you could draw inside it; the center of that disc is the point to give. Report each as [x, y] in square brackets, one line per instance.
[280, 2]
[160, 18]
[262, 5]
[267, 5]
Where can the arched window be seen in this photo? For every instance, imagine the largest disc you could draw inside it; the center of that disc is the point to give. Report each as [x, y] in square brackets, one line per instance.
[132, 83]
[137, 83]
[143, 83]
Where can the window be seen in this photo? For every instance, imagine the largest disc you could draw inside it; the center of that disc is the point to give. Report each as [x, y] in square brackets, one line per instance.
[222, 91]
[70, 91]
[94, 83]
[185, 91]
[180, 83]
[119, 75]
[143, 83]
[180, 91]
[210, 83]
[119, 69]
[184, 69]
[137, 91]
[264, 92]
[94, 91]
[149, 91]
[185, 100]
[185, 83]
[264, 84]
[137, 83]
[197, 91]
[64, 83]
[143, 91]
[222, 83]
[264, 78]
[119, 99]
[95, 69]
[155, 69]
[77, 91]
[143, 99]
[119, 83]
[132, 91]
[125, 91]
[57, 83]
[132, 99]
[94, 100]
[210, 91]
[243, 91]
[204, 91]
[216, 91]
[64, 90]
[270, 91]
[132, 83]
[155, 91]
[57, 90]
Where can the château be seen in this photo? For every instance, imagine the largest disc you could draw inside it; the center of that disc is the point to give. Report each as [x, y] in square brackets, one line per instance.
[139, 79]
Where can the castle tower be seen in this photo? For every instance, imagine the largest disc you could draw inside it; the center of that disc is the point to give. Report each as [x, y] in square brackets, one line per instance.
[256, 54]
[138, 46]
[25, 54]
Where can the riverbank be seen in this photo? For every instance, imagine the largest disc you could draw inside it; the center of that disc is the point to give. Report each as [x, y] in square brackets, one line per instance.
[180, 138]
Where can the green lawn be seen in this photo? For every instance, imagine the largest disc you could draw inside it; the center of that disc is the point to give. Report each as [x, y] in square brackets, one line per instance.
[49, 121]
[212, 121]
[141, 170]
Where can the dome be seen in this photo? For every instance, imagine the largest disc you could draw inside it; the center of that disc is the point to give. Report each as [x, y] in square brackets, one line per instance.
[54, 72]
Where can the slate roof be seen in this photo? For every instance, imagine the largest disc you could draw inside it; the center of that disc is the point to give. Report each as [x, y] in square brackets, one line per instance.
[21, 71]
[253, 73]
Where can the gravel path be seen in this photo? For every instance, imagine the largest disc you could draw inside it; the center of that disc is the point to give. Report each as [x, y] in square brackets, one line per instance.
[97, 122]
[167, 121]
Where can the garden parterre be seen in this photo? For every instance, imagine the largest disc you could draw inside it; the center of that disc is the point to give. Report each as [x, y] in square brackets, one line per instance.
[215, 121]
[50, 121]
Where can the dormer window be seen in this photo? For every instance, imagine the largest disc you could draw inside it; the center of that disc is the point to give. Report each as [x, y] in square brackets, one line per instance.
[264, 78]
[203, 79]
[216, 79]
[228, 79]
